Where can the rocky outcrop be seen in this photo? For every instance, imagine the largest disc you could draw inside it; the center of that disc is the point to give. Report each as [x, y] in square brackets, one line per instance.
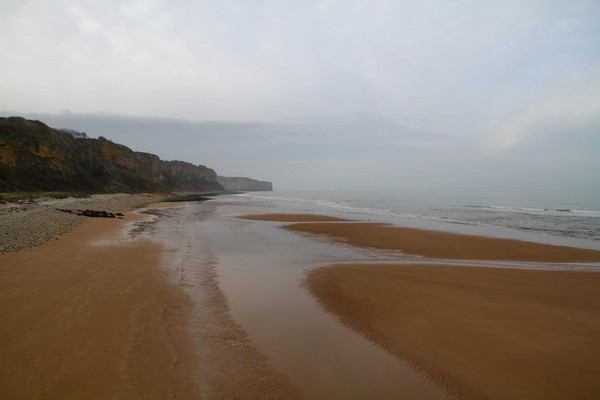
[35, 157]
[240, 184]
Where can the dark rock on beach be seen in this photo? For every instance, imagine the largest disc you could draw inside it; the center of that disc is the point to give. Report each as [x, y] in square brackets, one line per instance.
[89, 213]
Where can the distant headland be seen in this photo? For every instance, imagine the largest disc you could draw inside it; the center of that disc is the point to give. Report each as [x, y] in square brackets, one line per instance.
[241, 184]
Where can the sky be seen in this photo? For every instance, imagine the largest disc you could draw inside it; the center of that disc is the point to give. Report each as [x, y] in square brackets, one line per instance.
[323, 94]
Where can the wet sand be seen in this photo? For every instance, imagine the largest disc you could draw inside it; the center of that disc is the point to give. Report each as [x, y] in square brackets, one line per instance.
[175, 312]
[291, 218]
[480, 332]
[229, 367]
[484, 332]
[444, 245]
[116, 311]
[262, 270]
[83, 319]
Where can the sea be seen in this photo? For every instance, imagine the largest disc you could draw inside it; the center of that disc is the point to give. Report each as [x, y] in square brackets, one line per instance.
[555, 216]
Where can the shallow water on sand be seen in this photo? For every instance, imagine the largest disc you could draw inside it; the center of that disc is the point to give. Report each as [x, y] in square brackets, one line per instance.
[252, 312]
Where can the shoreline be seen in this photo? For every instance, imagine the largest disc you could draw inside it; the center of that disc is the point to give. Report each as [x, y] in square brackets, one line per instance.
[230, 365]
[148, 312]
[83, 318]
[470, 329]
[109, 312]
[442, 245]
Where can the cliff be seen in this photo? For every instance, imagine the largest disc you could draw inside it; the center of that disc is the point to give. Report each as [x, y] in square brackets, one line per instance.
[35, 157]
[240, 184]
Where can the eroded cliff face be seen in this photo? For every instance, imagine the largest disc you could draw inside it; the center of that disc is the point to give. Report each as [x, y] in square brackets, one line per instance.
[241, 184]
[36, 157]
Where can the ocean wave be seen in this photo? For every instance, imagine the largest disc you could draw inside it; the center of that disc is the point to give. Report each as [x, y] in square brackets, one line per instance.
[346, 208]
[569, 222]
[557, 211]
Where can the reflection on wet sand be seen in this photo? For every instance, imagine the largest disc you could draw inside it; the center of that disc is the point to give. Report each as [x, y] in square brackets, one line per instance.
[228, 365]
[471, 328]
[258, 329]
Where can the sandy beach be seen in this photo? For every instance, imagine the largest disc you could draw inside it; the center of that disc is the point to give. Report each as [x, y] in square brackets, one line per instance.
[480, 332]
[442, 245]
[483, 333]
[106, 311]
[32, 223]
[170, 303]
[82, 319]
[321, 200]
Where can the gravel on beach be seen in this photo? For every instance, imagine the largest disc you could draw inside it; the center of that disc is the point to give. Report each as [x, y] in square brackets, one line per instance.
[31, 224]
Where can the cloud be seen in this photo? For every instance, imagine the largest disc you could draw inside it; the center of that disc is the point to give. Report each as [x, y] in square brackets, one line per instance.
[433, 62]
[561, 111]
[257, 85]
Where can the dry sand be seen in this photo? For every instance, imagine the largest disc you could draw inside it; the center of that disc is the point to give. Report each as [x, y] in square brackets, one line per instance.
[486, 333]
[84, 320]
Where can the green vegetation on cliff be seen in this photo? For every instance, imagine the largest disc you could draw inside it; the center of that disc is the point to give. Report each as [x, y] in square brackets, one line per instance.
[35, 157]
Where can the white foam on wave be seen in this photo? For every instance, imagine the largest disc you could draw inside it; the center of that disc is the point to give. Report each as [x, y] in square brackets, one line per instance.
[356, 210]
[565, 222]
[545, 211]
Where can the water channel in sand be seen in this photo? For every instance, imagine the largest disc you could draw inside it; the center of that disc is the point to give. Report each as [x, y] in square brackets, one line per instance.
[252, 313]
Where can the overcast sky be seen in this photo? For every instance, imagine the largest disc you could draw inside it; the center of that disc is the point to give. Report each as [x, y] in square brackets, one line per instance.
[323, 94]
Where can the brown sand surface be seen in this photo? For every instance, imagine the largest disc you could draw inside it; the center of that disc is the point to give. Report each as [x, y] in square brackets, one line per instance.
[84, 320]
[291, 218]
[436, 244]
[481, 332]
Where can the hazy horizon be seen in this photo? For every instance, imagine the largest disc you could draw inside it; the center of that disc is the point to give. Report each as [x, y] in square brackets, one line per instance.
[323, 94]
